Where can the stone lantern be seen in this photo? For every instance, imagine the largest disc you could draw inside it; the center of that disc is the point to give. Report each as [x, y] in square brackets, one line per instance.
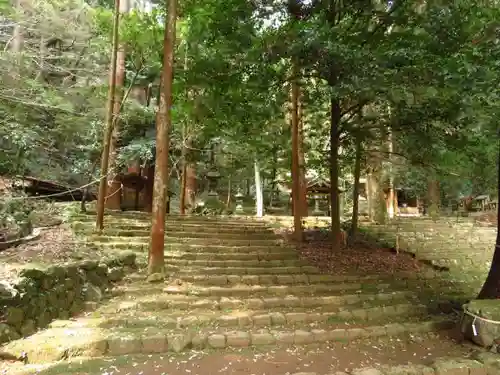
[213, 176]
[239, 202]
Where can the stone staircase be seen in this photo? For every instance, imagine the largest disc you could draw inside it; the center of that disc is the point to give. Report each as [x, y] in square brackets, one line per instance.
[233, 283]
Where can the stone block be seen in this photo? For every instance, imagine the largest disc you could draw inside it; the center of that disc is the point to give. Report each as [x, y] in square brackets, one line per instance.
[229, 303]
[177, 343]
[337, 334]
[233, 279]
[250, 279]
[217, 341]
[320, 335]
[408, 370]
[263, 320]
[262, 338]
[283, 337]
[450, 367]
[228, 321]
[245, 321]
[303, 337]
[355, 333]
[255, 303]
[124, 345]
[154, 344]
[366, 371]
[199, 340]
[278, 318]
[238, 339]
[292, 318]
[218, 280]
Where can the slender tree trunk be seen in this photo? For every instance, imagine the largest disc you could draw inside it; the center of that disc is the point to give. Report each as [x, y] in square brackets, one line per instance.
[491, 287]
[259, 199]
[109, 122]
[163, 124]
[355, 193]
[334, 172]
[296, 189]
[302, 163]
[184, 148]
[114, 200]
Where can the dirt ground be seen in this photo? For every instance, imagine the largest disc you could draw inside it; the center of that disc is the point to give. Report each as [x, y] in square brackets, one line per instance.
[55, 245]
[361, 258]
[322, 359]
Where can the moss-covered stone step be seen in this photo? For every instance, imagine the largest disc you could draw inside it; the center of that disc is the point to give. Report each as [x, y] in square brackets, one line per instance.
[174, 227]
[185, 271]
[191, 241]
[169, 302]
[235, 263]
[193, 248]
[75, 341]
[172, 233]
[333, 317]
[234, 256]
[217, 220]
[270, 289]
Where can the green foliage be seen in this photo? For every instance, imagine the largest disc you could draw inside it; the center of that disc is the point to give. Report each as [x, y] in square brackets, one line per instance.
[427, 72]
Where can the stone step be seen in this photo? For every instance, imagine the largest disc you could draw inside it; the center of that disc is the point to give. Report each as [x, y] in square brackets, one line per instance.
[272, 318]
[217, 220]
[176, 227]
[209, 235]
[271, 289]
[234, 256]
[75, 340]
[231, 262]
[185, 271]
[191, 241]
[162, 301]
[196, 249]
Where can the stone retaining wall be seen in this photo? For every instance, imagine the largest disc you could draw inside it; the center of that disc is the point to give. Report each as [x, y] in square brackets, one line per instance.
[443, 243]
[41, 295]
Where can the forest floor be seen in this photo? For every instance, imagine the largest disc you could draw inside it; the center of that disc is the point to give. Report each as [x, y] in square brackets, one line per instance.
[56, 244]
[364, 259]
[319, 359]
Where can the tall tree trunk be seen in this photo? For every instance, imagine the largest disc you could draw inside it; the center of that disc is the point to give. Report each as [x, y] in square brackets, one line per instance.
[334, 172]
[491, 287]
[355, 192]
[163, 124]
[259, 198]
[302, 163]
[296, 188]
[109, 122]
[114, 200]
[184, 148]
